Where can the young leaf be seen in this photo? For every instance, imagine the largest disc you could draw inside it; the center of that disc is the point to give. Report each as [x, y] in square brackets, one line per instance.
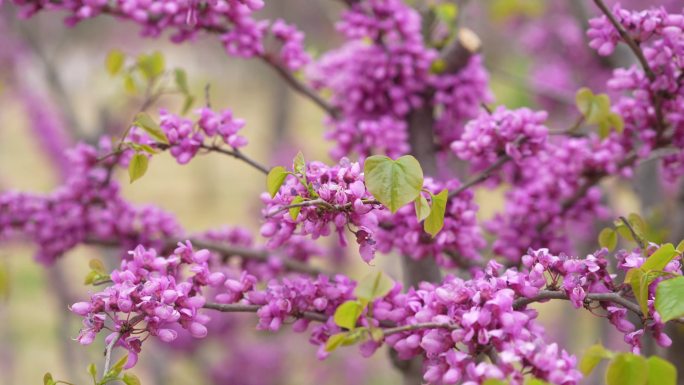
[91, 277]
[536, 381]
[374, 285]
[669, 300]
[592, 357]
[438, 66]
[627, 369]
[294, 211]
[680, 247]
[151, 127]
[334, 341]
[638, 224]
[130, 379]
[187, 104]
[596, 110]
[129, 84]
[355, 336]
[435, 220]
[92, 370]
[347, 314]
[608, 239]
[137, 167]
[151, 65]
[275, 179]
[181, 80]
[639, 281]
[393, 182]
[492, 381]
[299, 163]
[97, 265]
[446, 13]
[622, 229]
[614, 120]
[661, 372]
[377, 334]
[47, 379]
[584, 99]
[118, 366]
[143, 148]
[114, 61]
[660, 258]
[422, 207]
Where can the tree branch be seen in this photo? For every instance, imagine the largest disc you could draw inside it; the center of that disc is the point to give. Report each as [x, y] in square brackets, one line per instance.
[108, 354]
[483, 176]
[299, 86]
[237, 154]
[608, 297]
[627, 38]
[226, 252]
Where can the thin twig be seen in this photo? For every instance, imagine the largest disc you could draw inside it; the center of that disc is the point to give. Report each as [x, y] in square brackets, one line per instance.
[639, 53]
[226, 251]
[627, 38]
[483, 176]
[299, 86]
[244, 308]
[237, 154]
[419, 326]
[636, 237]
[108, 353]
[608, 297]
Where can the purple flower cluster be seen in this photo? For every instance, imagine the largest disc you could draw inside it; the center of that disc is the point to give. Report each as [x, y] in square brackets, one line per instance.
[183, 17]
[151, 295]
[516, 133]
[461, 234]
[241, 35]
[337, 198]
[187, 137]
[292, 53]
[544, 198]
[87, 207]
[482, 319]
[290, 299]
[486, 314]
[458, 97]
[578, 277]
[649, 102]
[376, 78]
[546, 38]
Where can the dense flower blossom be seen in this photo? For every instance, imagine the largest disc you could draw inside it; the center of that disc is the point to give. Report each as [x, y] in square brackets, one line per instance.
[537, 211]
[241, 35]
[458, 97]
[516, 133]
[150, 289]
[337, 198]
[480, 315]
[85, 208]
[460, 238]
[376, 78]
[292, 53]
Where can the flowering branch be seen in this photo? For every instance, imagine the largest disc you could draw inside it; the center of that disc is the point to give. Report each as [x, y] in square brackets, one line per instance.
[482, 176]
[226, 252]
[551, 294]
[628, 39]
